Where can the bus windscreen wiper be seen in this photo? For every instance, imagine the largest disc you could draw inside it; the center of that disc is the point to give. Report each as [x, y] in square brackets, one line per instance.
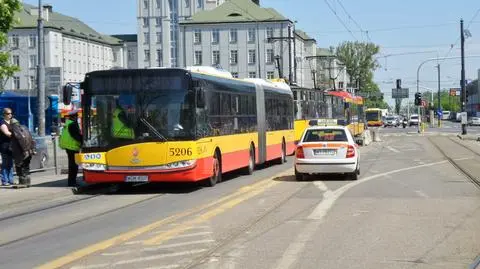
[154, 131]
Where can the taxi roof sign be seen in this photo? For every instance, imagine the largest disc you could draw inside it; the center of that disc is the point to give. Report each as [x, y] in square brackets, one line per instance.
[323, 122]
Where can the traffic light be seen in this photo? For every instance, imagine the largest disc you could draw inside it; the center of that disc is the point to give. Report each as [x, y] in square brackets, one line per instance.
[399, 84]
[418, 99]
[466, 94]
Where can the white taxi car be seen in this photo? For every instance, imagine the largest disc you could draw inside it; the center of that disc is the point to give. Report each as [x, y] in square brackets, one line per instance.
[327, 150]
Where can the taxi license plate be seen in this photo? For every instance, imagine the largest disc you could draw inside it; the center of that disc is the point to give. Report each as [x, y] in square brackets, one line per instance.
[328, 152]
[142, 178]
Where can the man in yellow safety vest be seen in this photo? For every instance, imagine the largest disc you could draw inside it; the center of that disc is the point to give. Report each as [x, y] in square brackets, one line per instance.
[71, 141]
[120, 126]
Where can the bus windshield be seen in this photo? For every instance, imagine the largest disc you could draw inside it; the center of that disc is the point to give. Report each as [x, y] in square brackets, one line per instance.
[137, 115]
[372, 115]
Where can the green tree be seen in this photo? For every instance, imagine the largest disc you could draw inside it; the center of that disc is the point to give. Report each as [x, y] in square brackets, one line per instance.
[8, 8]
[358, 57]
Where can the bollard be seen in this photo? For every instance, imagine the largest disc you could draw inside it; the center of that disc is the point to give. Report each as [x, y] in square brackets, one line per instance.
[55, 164]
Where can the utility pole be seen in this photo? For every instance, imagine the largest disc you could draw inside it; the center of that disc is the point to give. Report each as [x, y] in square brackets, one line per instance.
[41, 73]
[439, 107]
[462, 83]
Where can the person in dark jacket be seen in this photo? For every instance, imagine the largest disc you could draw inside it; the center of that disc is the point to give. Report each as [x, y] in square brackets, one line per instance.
[71, 141]
[23, 148]
[7, 158]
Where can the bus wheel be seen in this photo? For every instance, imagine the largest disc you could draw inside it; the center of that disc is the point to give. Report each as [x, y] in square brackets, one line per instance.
[251, 162]
[217, 170]
[283, 157]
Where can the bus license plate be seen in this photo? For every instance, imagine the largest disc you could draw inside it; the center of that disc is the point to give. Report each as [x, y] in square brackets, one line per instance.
[329, 152]
[136, 178]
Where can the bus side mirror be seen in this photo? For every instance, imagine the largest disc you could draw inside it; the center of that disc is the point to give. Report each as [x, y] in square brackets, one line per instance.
[200, 98]
[67, 94]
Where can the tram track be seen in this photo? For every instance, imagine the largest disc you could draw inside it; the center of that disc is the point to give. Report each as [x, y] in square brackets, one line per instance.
[465, 172]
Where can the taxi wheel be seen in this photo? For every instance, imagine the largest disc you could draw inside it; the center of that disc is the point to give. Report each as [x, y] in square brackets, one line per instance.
[299, 176]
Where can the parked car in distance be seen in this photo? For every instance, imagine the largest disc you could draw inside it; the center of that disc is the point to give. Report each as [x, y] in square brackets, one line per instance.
[474, 121]
[391, 121]
[40, 160]
[414, 120]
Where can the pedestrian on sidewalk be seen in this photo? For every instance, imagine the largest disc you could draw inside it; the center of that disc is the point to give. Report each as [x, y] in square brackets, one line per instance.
[23, 148]
[71, 141]
[6, 152]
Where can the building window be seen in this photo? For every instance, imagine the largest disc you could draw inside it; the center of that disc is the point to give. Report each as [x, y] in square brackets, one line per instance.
[32, 61]
[187, 3]
[197, 37]
[199, 3]
[32, 82]
[233, 36]
[131, 55]
[235, 74]
[147, 55]
[251, 56]
[145, 22]
[159, 58]
[159, 37]
[198, 57]
[16, 60]
[252, 74]
[158, 22]
[270, 74]
[269, 32]
[340, 84]
[146, 38]
[215, 57]
[159, 3]
[145, 4]
[234, 57]
[15, 41]
[115, 56]
[215, 36]
[251, 35]
[270, 56]
[32, 41]
[16, 83]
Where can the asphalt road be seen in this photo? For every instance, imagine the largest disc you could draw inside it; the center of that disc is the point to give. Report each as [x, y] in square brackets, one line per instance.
[411, 208]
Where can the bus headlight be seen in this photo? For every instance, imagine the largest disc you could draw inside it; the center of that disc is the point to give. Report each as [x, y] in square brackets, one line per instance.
[94, 166]
[180, 164]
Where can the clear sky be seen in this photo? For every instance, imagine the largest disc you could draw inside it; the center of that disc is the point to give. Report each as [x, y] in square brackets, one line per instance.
[425, 28]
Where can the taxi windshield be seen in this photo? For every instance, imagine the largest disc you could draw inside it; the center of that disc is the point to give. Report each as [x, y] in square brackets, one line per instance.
[325, 135]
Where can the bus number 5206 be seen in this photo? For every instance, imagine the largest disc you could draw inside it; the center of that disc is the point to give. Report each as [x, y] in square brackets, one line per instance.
[180, 152]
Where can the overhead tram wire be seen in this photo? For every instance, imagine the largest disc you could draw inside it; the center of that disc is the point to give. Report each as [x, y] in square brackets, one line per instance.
[340, 20]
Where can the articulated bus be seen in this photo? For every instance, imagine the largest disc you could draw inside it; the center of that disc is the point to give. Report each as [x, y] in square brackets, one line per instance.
[334, 107]
[184, 125]
[374, 116]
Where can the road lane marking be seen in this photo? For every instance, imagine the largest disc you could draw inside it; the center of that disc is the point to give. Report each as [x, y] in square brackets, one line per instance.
[421, 194]
[321, 185]
[78, 254]
[206, 216]
[292, 252]
[202, 227]
[148, 258]
[393, 149]
[192, 234]
[174, 245]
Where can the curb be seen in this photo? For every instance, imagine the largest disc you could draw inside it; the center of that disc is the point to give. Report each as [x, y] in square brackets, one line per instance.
[468, 137]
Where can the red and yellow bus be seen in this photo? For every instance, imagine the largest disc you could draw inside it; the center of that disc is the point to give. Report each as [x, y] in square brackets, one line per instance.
[374, 117]
[333, 107]
[186, 125]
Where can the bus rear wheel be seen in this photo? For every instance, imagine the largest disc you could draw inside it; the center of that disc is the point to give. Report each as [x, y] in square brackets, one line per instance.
[251, 162]
[217, 170]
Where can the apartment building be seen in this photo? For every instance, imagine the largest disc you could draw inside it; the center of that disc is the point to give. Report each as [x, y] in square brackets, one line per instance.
[158, 29]
[72, 49]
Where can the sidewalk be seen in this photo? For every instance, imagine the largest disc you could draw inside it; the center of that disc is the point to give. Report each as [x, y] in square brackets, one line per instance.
[45, 187]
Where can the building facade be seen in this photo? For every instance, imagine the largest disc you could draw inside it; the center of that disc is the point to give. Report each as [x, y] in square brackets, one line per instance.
[71, 49]
[130, 51]
[158, 29]
[240, 36]
[305, 49]
[330, 72]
